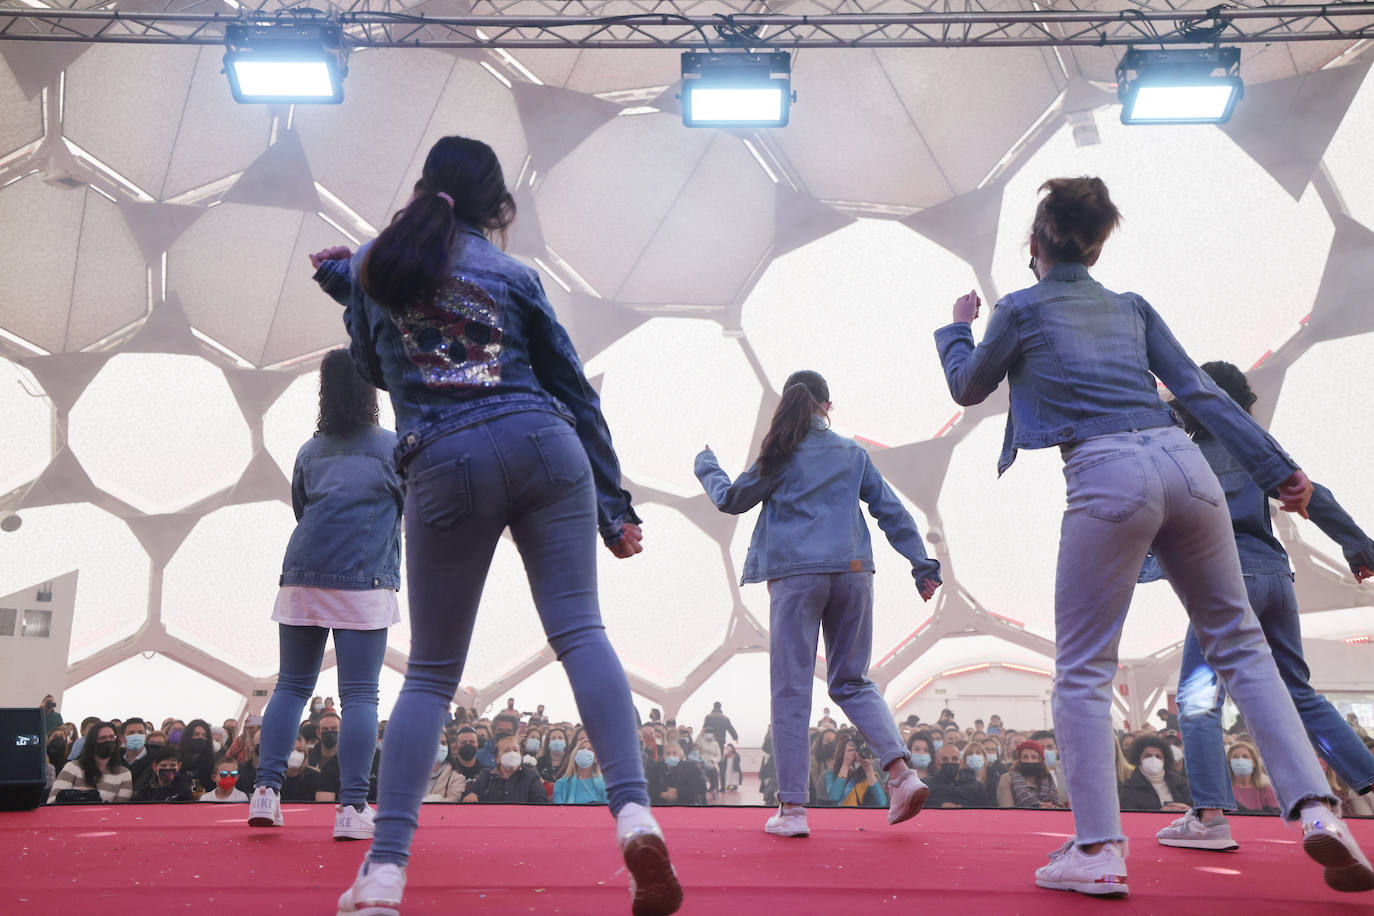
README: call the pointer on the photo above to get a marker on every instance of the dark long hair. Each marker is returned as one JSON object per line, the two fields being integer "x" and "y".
{"x": 1073, "y": 221}
{"x": 804, "y": 392}
{"x": 86, "y": 759}
{"x": 198, "y": 768}
{"x": 347, "y": 402}
{"x": 1229, "y": 379}
{"x": 409, "y": 261}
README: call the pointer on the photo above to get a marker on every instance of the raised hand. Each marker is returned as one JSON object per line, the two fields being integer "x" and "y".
{"x": 1295, "y": 492}
{"x": 927, "y": 588}
{"x": 630, "y": 543}
{"x": 966, "y": 306}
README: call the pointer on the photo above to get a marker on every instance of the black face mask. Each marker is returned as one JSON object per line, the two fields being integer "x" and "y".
{"x": 329, "y": 739}
{"x": 57, "y": 746}
{"x": 197, "y": 745}
{"x": 105, "y": 749}
{"x": 949, "y": 771}
{"x": 467, "y": 753}
{"x": 1033, "y": 770}
{"x": 827, "y": 750}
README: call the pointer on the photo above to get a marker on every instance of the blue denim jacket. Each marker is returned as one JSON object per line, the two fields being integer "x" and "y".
{"x": 347, "y": 500}
{"x": 1082, "y": 362}
{"x": 1260, "y": 551}
{"x": 811, "y": 522}
{"x": 489, "y": 345}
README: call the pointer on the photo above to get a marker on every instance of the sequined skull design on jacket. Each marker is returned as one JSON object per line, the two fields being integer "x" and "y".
{"x": 455, "y": 341}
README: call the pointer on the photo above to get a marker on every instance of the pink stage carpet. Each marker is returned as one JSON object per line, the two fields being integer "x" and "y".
{"x": 202, "y": 858}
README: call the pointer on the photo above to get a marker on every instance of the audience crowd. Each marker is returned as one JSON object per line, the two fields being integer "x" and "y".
{"x": 528, "y": 758}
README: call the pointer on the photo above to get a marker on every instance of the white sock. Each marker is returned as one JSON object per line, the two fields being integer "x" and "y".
{"x": 1314, "y": 809}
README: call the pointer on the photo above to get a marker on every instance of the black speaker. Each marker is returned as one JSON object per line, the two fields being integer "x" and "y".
{"x": 23, "y": 759}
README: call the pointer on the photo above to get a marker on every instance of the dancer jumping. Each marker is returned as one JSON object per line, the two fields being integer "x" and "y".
{"x": 498, "y": 428}
{"x": 341, "y": 573}
{"x": 1082, "y": 363}
{"x": 1269, "y": 584}
{"x": 811, "y": 545}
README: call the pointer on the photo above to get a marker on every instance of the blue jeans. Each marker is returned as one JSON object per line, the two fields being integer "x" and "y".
{"x": 1127, "y": 491}
{"x": 360, "y": 654}
{"x": 526, "y": 471}
{"x": 1201, "y": 694}
{"x": 800, "y": 608}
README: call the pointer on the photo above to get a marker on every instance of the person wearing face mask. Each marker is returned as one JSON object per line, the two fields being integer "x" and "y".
{"x": 708, "y": 751}
{"x": 447, "y": 784}
{"x": 731, "y": 769}
{"x": 165, "y": 780}
{"x": 98, "y": 767}
{"x": 581, "y": 782}
{"x": 1053, "y": 764}
{"x": 133, "y": 738}
{"x": 995, "y": 767}
{"x": 300, "y": 782}
{"x": 1158, "y": 783}
{"x": 75, "y": 748}
{"x": 678, "y": 783}
{"x": 464, "y": 755}
{"x": 52, "y": 716}
{"x": 953, "y": 785}
{"x": 551, "y": 760}
{"x": 1249, "y": 783}
{"x": 510, "y": 781}
{"x": 1029, "y": 783}
{"x": 533, "y": 743}
{"x": 57, "y": 748}
{"x": 226, "y": 782}
{"x": 324, "y": 756}
{"x": 198, "y": 757}
{"x": 822, "y": 755}
{"x": 922, "y": 747}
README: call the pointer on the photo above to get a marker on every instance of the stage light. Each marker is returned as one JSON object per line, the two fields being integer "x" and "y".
{"x": 736, "y": 89}
{"x": 1179, "y": 86}
{"x": 286, "y": 63}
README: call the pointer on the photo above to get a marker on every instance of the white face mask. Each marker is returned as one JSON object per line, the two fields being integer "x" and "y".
{"x": 1152, "y": 766}
{"x": 217, "y": 745}
{"x": 295, "y": 760}
{"x": 510, "y": 760}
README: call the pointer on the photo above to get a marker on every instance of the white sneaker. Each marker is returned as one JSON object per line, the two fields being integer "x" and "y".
{"x": 788, "y": 823}
{"x": 352, "y": 824}
{"x": 654, "y": 888}
{"x": 1327, "y": 840}
{"x": 906, "y": 797}
{"x": 1189, "y": 832}
{"x": 376, "y": 892}
{"x": 1071, "y": 869}
{"x": 264, "y": 808}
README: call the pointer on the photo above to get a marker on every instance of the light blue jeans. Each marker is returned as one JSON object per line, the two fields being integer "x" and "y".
{"x": 360, "y": 654}
{"x": 1201, "y": 695}
{"x": 1127, "y": 491}
{"x": 800, "y": 608}
{"x": 527, "y": 471}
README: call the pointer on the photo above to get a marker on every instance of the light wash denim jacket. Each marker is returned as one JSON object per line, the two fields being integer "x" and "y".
{"x": 811, "y": 521}
{"x": 1260, "y": 551}
{"x": 347, "y": 500}
{"x": 490, "y": 345}
{"x": 1082, "y": 362}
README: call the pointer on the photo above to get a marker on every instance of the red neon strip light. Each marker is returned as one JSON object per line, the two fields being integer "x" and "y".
{"x": 867, "y": 441}
{"x": 1260, "y": 361}
{"x": 952, "y": 420}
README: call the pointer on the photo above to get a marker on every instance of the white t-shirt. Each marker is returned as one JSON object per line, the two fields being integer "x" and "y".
{"x": 336, "y": 608}
{"x": 235, "y": 796}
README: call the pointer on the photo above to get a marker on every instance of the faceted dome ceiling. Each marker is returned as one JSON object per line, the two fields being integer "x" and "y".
{"x": 160, "y": 334}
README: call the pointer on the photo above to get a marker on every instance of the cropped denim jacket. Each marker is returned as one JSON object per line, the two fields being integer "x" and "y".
{"x": 1082, "y": 362}
{"x": 488, "y": 345}
{"x": 347, "y": 500}
{"x": 811, "y": 521}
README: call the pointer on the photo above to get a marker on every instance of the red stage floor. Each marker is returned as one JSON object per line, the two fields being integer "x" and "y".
{"x": 500, "y": 860}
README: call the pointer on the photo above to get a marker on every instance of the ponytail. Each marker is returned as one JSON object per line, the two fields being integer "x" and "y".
{"x": 409, "y": 261}
{"x": 804, "y": 392}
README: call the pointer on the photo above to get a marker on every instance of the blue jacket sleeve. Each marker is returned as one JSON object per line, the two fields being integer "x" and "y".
{"x": 744, "y": 494}
{"x": 298, "y": 490}
{"x": 835, "y": 787}
{"x": 560, "y": 372}
{"x": 896, "y": 522}
{"x": 1262, "y": 457}
{"x": 973, "y": 373}
{"x": 1336, "y": 523}
{"x": 336, "y": 278}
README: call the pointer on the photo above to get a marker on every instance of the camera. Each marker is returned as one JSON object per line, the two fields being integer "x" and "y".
{"x": 861, "y": 747}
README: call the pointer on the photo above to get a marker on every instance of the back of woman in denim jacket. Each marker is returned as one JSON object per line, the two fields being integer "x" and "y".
{"x": 499, "y": 428}
{"x": 811, "y": 545}
{"x": 1082, "y": 363}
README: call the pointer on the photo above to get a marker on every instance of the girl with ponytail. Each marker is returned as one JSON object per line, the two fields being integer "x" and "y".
{"x": 498, "y": 428}
{"x": 812, "y": 546}
{"x": 1083, "y": 363}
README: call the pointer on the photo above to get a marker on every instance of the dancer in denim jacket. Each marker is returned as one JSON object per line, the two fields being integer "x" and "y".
{"x": 341, "y": 572}
{"x": 1269, "y": 584}
{"x": 499, "y": 428}
{"x": 811, "y": 545}
{"x": 1082, "y": 363}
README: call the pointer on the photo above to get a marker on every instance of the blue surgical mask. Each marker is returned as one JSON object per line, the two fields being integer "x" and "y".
{"x": 936, "y": 744}
{"x": 994, "y": 729}
{"x": 992, "y": 754}
{"x": 584, "y": 758}
{"x": 1051, "y": 758}
{"x": 975, "y": 762}
{"x": 532, "y": 745}
{"x": 921, "y": 760}
{"x": 694, "y": 756}
{"x": 673, "y": 761}
{"x": 558, "y": 745}
{"x": 135, "y": 742}
{"x": 1242, "y": 766}
{"x": 441, "y": 753}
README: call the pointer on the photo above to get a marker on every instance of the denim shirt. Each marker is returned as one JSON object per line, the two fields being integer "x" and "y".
{"x": 1082, "y": 362}
{"x": 488, "y": 345}
{"x": 811, "y": 521}
{"x": 1260, "y": 551}
{"x": 347, "y": 500}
